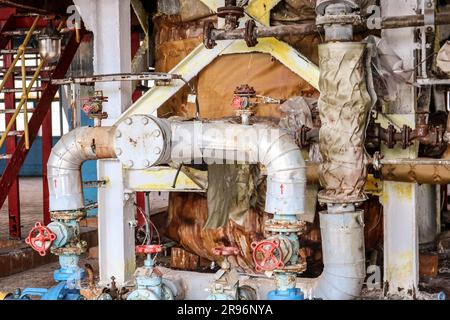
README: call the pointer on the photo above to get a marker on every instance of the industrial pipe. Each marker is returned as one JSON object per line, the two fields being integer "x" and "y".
{"x": 343, "y": 257}
{"x": 265, "y": 32}
{"x": 304, "y": 29}
{"x": 66, "y": 158}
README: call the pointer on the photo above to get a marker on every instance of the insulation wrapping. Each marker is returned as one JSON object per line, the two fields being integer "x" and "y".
{"x": 343, "y": 256}
{"x": 344, "y": 105}
{"x": 66, "y": 158}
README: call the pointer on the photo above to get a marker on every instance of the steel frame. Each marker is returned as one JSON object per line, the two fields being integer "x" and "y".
{"x": 41, "y": 118}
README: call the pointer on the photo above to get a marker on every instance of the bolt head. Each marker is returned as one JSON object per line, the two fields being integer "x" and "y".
{"x": 146, "y": 163}
{"x": 129, "y": 121}
{"x": 144, "y": 121}
{"x": 119, "y": 151}
{"x": 118, "y": 134}
{"x": 157, "y": 133}
{"x": 130, "y": 163}
{"x": 157, "y": 150}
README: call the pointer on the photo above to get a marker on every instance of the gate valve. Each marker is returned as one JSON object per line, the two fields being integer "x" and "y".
{"x": 41, "y": 241}
{"x": 148, "y": 249}
{"x": 225, "y": 251}
{"x": 267, "y": 255}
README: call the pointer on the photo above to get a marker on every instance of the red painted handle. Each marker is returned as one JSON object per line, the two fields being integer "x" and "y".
{"x": 267, "y": 255}
{"x": 148, "y": 249}
{"x": 40, "y": 238}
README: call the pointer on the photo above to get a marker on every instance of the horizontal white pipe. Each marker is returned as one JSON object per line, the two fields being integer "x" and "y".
{"x": 219, "y": 142}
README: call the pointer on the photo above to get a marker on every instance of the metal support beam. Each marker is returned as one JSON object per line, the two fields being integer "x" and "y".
{"x": 401, "y": 200}
{"x": 201, "y": 57}
{"x": 260, "y": 10}
{"x": 110, "y": 21}
{"x": 47, "y": 145}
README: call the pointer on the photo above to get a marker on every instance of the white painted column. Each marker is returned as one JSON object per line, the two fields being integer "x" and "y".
{"x": 401, "y": 200}
{"x": 110, "y": 20}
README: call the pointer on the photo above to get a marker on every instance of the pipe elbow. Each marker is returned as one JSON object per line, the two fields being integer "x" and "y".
{"x": 286, "y": 175}
{"x": 343, "y": 257}
{"x": 66, "y": 159}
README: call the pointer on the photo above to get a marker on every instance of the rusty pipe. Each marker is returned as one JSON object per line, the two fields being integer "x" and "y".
{"x": 412, "y": 21}
{"x": 265, "y": 32}
{"x": 396, "y": 22}
{"x": 421, "y": 171}
{"x": 66, "y": 159}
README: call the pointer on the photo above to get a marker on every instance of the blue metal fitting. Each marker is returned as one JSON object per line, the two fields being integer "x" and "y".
{"x": 69, "y": 271}
{"x": 290, "y": 294}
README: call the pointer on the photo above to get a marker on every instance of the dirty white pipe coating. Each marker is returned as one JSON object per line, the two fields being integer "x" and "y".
{"x": 342, "y": 234}
{"x": 66, "y": 159}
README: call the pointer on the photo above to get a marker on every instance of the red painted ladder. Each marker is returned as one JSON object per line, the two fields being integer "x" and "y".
{"x": 16, "y": 151}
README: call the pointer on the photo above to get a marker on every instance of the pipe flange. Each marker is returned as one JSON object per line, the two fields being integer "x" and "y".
{"x": 298, "y": 268}
{"x": 250, "y": 36}
{"x": 208, "y": 41}
{"x": 233, "y": 11}
{"x": 347, "y": 19}
{"x": 324, "y": 198}
{"x": 68, "y": 215}
{"x": 142, "y": 141}
{"x": 277, "y": 226}
{"x": 78, "y": 250}
{"x": 321, "y": 5}
{"x": 376, "y": 161}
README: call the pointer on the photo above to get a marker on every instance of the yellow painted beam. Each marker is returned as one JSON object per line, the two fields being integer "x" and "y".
{"x": 161, "y": 179}
{"x": 212, "y": 4}
{"x": 260, "y": 10}
{"x": 284, "y": 53}
{"x": 201, "y": 57}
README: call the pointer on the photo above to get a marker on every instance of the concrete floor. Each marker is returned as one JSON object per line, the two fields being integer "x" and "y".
{"x": 31, "y": 212}
{"x": 30, "y": 206}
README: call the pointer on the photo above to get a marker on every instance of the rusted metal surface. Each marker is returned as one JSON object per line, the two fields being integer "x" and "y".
{"x": 182, "y": 259}
{"x": 187, "y": 216}
{"x": 428, "y": 265}
{"x": 264, "y": 32}
{"x": 417, "y": 173}
{"x": 100, "y": 141}
{"x": 188, "y": 213}
{"x": 425, "y": 133}
{"x": 412, "y": 21}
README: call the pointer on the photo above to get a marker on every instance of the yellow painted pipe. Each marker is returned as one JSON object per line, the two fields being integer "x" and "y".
{"x": 22, "y": 102}
{"x": 25, "y": 110}
{"x": 20, "y": 51}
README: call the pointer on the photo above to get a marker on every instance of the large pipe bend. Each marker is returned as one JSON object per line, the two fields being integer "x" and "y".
{"x": 66, "y": 159}
{"x": 220, "y": 142}
{"x": 342, "y": 234}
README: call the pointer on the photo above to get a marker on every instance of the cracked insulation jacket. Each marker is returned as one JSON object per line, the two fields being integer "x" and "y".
{"x": 344, "y": 105}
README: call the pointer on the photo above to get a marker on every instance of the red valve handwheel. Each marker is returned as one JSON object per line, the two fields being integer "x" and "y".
{"x": 41, "y": 241}
{"x": 267, "y": 255}
{"x": 237, "y": 102}
{"x": 148, "y": 249}
{"x": 225, "y": 251}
